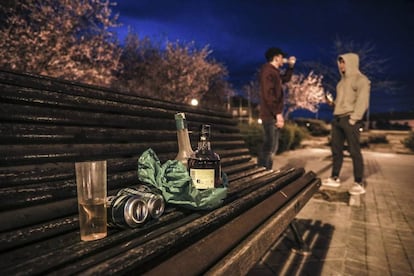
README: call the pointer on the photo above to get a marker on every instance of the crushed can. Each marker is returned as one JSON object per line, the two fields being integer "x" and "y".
{"x": 155, "y": 202}
{"x": 126, "y": 211}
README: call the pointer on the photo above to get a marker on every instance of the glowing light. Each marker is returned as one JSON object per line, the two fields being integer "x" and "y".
{"x": 194, "y": 102}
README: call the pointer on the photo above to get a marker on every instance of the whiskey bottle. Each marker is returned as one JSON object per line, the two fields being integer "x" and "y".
{"x": 184, "y": 145}
{"x": 204, "y": 164}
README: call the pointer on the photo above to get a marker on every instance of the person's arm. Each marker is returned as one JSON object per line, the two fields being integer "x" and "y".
{"x": 287, "y": 75}
{"x": 289, "y": 71}
{"x": 362, "y": 100}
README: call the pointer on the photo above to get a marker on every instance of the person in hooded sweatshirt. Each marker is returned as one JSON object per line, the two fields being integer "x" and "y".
{"x": 350, "y": 105}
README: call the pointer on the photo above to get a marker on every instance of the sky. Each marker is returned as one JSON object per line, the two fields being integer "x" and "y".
{"x": 239, "y": 31}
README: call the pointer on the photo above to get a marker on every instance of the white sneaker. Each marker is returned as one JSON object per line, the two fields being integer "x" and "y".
{"x": 331, "y": 182}
{"x": 357, "y": 189}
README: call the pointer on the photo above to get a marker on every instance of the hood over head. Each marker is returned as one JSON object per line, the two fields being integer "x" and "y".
{"x": 351, "y": 64}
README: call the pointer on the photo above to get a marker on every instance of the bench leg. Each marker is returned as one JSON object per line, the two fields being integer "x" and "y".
{"x": 301, "y": 247}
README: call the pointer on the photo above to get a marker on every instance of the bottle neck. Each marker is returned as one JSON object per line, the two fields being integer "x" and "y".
{"x": 204, "y": 145}
{"x": 183, "y": 138}
{"x": 184, "y": 141}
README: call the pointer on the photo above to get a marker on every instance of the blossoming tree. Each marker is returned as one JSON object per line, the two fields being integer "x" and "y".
{"x": 304, "y": 93}
{"x": 60, "y": 38}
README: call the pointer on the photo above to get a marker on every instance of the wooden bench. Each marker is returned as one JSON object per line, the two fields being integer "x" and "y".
{"x": 48, "y": 124}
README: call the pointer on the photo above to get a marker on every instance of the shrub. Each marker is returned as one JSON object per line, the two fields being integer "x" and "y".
{"x": 377, "y": 139}
{"x": 409, "y": 141}
{"x": 314, "y": 126}
{"x": 253, "y": 136}
{"x": 290, "y": 138}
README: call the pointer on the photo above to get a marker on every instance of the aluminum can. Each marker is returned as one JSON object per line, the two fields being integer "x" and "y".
{"x": 155, "y": 202}
{"x": 126, "y": 211}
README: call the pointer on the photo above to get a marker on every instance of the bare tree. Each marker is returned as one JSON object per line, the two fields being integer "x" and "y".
{"x": 179, "y": 72}
{"x": 187, "y": 73}
{"x": 373, "y": 65}
{"x": 60, "y": 38}
{"x": 252, "y": 90}
{"x": 139, "y": 58}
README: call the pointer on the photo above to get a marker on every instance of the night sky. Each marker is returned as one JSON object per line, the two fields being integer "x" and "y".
{"x": 239, "y": 31}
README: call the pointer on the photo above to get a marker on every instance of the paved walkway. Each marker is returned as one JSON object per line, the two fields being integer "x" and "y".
{"x": 372, "y": 234}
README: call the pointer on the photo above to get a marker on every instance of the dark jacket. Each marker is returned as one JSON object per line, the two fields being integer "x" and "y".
{"x": 271, "y": 92}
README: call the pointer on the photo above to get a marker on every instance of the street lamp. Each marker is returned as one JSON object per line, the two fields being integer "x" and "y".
{"x": 194, "y": 102}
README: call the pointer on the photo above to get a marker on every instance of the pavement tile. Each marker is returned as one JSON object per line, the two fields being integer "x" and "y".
{"x": 374, "y": 236}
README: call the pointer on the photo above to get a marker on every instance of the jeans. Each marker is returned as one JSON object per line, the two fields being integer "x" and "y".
{"x": 342, "y": 130}
{"x": 270, "y": 144}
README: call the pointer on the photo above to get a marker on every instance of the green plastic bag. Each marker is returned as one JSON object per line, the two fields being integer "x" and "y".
{"x": 174, "y": 181}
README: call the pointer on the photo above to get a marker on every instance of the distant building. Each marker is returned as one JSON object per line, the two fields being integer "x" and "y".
{"x": 243, "y": 110}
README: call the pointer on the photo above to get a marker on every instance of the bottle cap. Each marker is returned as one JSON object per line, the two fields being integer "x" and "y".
{"x": 179, "y": 115}
{"x": 205, "y": 132}
{"x": 180, "y": 121}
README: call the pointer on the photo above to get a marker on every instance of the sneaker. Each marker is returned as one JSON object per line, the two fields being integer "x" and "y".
{"x": 357, "y": 189}
{"x": 331, "y": 182}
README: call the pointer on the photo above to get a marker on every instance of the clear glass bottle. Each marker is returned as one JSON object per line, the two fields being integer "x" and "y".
{"x": 184, "y": 145}
{"x": 204, "y": 164}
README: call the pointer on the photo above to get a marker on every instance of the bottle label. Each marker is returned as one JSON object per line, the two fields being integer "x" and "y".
{"x": 202, "y": 178}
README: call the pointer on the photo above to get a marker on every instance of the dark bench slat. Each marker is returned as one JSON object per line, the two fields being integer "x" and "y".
{"x": 215, "y": 245}
{"x": 34, "y": 97}
{"x": 44, "y": 233}
{"x": 232, "y": 161}
{"x": 242, "y": 258}
{"x": 13, "y": 133}
{"x": 58, "y": 171}
{"x": 23, "y": 133}
{"x": 45, "y": 258}
{"x": 138, "y": 257}
{"x": 30, "y": 195}
{"x": 272, "y": 180}
{"x": 203, "y": 224}
{"x": 281, "y": 180}
{"x": 64, "y": 186}
{"x": 37, "y": 154}
{"x": 243, "y": 187}
{"x": 52, "y": 210}
{"x": 58, "y": 116}
{"x": 28, "y": 235}
{"x": 72, "y": 88}
{"x": 61, "y": 101}
{"x": 72, "y": 104}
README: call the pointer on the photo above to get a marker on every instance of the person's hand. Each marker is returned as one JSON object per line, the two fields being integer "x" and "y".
{"x": 352, "y": 122}
{"x": 329, "y": 99}
{"x": 280, "y": 122}
{"x": 291, "y": 61}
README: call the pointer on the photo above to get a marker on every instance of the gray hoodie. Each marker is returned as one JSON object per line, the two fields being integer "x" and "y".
{"x": 352, "y": 91}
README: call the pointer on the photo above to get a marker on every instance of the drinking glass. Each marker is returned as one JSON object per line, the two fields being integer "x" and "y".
{"x": 91, "y": 188}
